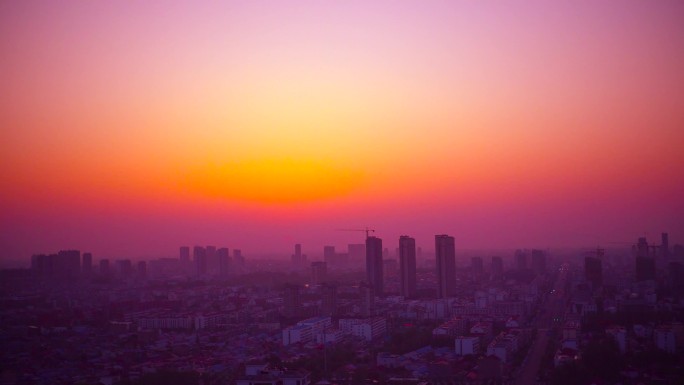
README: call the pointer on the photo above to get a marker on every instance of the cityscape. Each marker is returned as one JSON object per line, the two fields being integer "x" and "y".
{"x": 342, "y": 192}
{"x": 360, "y": 315}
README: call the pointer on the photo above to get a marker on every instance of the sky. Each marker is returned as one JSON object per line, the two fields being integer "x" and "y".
{"x": 129, "y": 129}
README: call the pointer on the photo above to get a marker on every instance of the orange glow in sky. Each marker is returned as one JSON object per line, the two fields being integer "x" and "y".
{"x": 506, "y": 124}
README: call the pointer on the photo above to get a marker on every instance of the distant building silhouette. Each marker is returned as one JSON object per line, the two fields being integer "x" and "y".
{"x": 292, "y": 304}
{"x": 125, "y": 268}
{"x": 645, "y": 263}
{"x": 212, "y": 260}
{"x": 142, "y": 269}
{"x": 87, "y": 264}
{"x": 407, "y": 266}
{"x": 223, "y": 256}
{"x": 476, "y": 265}
{"x": 329, "y": 300}
{"x": 104, "y": 267}
{"x": 199, "y": 255}
{"x": 497, "y": 267}
{"x": 445, "y": 252}
{"x": 367, "y": 294}
{"x": 185, "y": 254}
{"x": 521, "y": 259}
{"x": 319, "y": 272}
{"x": 665, "y": 245}
{"x": 374, "y": 264}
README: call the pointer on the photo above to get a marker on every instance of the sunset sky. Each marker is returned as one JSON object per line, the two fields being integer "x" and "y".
{"x": 131, "y": 128}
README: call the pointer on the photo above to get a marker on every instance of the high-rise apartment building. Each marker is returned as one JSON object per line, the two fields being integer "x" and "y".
{"x": 445, "y": 252}
{"x": 374, "y": 264}
{"x": 407, "y": 266}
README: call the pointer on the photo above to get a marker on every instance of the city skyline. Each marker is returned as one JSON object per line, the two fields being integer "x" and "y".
{"x": 530, "y": 124}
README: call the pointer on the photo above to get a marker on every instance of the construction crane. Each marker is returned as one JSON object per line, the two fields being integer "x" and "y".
{"x": 366, "y": 230}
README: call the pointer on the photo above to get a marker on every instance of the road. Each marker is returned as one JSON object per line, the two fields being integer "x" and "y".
{"x": 555, "y": 308}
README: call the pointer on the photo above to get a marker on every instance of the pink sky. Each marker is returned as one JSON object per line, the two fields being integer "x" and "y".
{"x": 131, "y": 129}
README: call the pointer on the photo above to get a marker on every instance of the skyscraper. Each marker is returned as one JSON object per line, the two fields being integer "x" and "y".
{"x": 521, "y": 259}
{"x": 212, "y": 260}
{"x": 665, "y": 245}
{"x": 199, "y": 254}
{"x": 319, "y": 271}
{"x": 185, "y": 254}
{"x": 291, "y": 301}
{"x": 367, "y": 293}
{"x": 328, "y": 300}
{"x": 87, "y": 264}
{"x": 223, "y": 255}
{"x": 497, "y": 267}
{"x": 407, "y": 266}
{"x": 445, "y": 251}
{"x": 645, "y": 264}
{"x": 374, "y": 264}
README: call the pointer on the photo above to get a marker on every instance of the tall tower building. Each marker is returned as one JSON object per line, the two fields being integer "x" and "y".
{"x": 521, "y": 259}
{"x": 292, "y": 303}
{"x": 319, "y": 272}
{"x": 497, "y": 267}
{"x": 87, "y": 264}
{"x": 184, "y": 254}
{"x": 199, "y": 255}
{"x": 104, "y": 267}
{"x": 367, "y": 293}
{"x": 328, "y": 300}
{"x": 407, "y": 266}
{"x": 223, "y": 255}
{"x": 665, "y": 245}
{"x": 374, "y": 264}
{"x": 445, "y": 251}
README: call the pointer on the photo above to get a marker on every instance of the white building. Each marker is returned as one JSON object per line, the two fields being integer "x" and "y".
{"x": 306, "y": 331}
{"x": 467, "y": 345}
{"x": 368, "y": 328}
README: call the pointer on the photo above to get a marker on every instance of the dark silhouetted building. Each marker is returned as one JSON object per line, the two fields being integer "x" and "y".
{"x": 199, "y": 255}
{"x": 665, "y": 245}
{"x": 521, "y": 259}
{"x": 223, "y": 255}
{"x": 212, "y": 259}
{"x": 292, "y": 304}
{"x": 185, "y": 254}
{"x": 329, "y": 300}
{"x": 497, "y": 267}
{"x": 645, "y": 268}
{"x": 125, "y": 267}
{"x": 374, "y": 264}
{"x": 319, "y": 272}
{"x": 407, "y": 266}
{"x": 104, "y": 267}
{"x": 367, "y": 294}
{"x": 87, "y": 264}
{"x": 142, "y": 269}
{"x": 445, "y": 252}
{"x": 593, "y": 271}
{"x": 476, "y": 265}
{"x": 298, "y": 259}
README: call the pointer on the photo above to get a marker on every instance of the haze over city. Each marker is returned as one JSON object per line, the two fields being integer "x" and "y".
{"x": 130, "y": 129}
